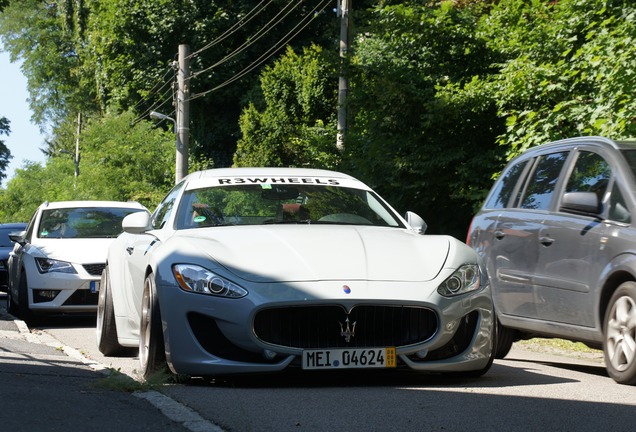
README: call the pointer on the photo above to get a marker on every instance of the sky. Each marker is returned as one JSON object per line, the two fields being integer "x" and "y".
{"x": 25, "y": 140}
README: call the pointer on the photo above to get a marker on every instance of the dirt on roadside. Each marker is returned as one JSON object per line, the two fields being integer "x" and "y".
{"x": 562, "y": 348}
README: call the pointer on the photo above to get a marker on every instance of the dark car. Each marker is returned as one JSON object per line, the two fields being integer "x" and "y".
{"x": 557, "y": 233}
{"x": 6, "y": 246}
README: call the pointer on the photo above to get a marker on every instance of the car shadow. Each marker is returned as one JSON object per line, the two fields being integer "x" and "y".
{"x": 500, "y": 375}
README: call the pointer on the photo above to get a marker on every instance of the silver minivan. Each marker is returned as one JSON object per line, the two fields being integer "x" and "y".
{"x": 558, "y": 235}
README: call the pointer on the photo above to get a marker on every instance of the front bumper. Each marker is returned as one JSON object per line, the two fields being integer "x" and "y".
{"x": 208, "y": 336}
{"x": 63, "y": 292}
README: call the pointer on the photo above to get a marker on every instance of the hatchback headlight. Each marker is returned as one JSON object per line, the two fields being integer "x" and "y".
{"x": 463, "y": 280}
{"x": 47, "y": 265}
{"x": 198, "y": 279}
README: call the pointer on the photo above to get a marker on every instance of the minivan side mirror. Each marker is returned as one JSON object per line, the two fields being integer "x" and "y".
{"x": 416, "y": 222}
{"x": 581, "y": 202}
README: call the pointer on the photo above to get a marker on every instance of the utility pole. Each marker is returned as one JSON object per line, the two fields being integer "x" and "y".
{"x": 183, "y": 112}
{"x": 343, "y": 81}
{"x": 77, "y": 144}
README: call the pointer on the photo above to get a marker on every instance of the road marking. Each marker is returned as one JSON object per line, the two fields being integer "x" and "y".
{"x": 178, "y": 412}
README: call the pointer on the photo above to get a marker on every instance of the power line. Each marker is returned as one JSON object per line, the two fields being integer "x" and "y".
{"x": 240, "y": 23}
{"x": 167, "y": 96}
{"x": 271, "y": 51}
{"x": 154, "y": 89}
{"x": 259, "y": 34}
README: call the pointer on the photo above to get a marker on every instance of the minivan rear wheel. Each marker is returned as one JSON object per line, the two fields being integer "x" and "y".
{"x": 619, "y": 341}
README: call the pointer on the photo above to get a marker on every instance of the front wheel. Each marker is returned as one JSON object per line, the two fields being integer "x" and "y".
{"x": 106, "y": 328}
{"x": 152, "y": 353}
{"x": 12, "y": 307}
{"x": 619, "y": 341}
{"x": 24, "y": 312}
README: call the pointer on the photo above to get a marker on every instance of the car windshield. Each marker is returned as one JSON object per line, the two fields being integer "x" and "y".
{"x": 262, "y": 204}
{"x": 93, "y": 222}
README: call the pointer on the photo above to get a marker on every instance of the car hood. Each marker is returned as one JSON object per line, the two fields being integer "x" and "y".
{"x": 302, "y": 253}
{"x": 82, "y": 251}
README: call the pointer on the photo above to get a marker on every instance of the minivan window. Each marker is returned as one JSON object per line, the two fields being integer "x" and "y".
{"x": 630, "y": 157}
{"x": 591, "y": 173}
{"x": 618, "y": 208}
{"x": 500, "y": 197}
{"x": 543, "y": 181}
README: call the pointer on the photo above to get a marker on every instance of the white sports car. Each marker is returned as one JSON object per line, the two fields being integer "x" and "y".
{"x": 243, "y": 270}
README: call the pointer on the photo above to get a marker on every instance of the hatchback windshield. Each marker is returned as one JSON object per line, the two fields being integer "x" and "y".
{"x": 93, "y": 222}
{"x": 282, "y": 204}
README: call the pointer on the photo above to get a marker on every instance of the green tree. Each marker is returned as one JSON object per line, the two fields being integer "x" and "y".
{"x": 119, "y": 161}
{"x": 421, "y": 133}
{"x": 31, "y": 186}
{"x": 295, "y": 125}
{"x": 125, "y": 161}
{"x": 5, "y": 153}
{"x": 134, "y": 44}
{"x": 567, "y": 69}
{"x": 38, "y": 33}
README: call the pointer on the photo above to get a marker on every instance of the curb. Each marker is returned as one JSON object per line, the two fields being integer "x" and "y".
{"x": 172, "y": 409}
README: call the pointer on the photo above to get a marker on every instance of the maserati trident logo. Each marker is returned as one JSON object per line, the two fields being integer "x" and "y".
{"x": 348, "y": 330}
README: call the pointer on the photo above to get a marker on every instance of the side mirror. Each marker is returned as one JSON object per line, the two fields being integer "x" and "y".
{"x": 416, "y": 222}
{"x": 18, "y": 238}
{"x": 581, "y": 202}
{"x": 136, "y": 223}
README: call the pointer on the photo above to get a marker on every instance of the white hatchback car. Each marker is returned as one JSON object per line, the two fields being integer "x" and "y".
{"x": 57, "y": 262}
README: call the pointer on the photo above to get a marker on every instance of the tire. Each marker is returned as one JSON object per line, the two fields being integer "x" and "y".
{"x": 12, "y": 307}
{"x": 504, "y": 339}
{"x": 152, "y": 353}
{"x": 24, "y": 312}
{"x": 106, "y": 327}
{"x": 619, "y": 335}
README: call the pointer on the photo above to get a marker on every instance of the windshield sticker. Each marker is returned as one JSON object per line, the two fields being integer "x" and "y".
{"x": 284, "y": 180}
{"x": 199, "y": 219}
{"x": 266, "y": 186}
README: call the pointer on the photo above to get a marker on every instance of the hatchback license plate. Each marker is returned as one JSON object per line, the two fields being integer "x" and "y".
{"x": 349, "y": 358}
{"x": 94, "y": 286}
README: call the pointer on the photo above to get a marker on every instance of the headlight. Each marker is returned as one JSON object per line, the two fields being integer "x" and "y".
{"x": 463, "y": 280}
{"x": 197, "y": 279}
{"x": 47, "y": 265}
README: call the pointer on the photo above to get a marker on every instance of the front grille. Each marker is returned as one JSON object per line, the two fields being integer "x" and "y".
{"x": 312, "y": 327}
{"x": 82, "y": 297}
{"x": 94, "y": 269}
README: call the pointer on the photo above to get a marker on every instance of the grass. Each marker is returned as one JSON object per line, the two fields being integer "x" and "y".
{"x": 117, "y": 381}
{"x": 561, "y": 347}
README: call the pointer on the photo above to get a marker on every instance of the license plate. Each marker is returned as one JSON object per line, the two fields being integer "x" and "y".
{"x": 94, "y": 286}
{"x": 349, "y": 358}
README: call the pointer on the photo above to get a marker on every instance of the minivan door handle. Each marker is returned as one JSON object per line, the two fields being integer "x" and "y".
{"x": 546, "y": 241}
{"x": 499, "y": 234}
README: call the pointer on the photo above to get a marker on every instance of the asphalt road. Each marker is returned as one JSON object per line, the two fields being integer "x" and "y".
{"x": 525, "y": 392}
